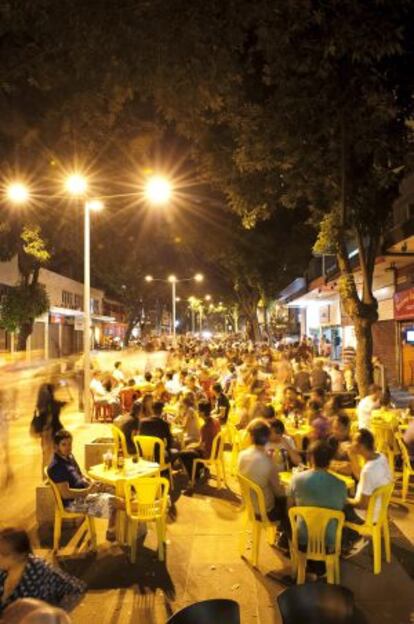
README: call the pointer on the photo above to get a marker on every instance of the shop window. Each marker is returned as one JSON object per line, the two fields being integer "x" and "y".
{"x": 67, "y": 299}
{"x": 78, "y": 302}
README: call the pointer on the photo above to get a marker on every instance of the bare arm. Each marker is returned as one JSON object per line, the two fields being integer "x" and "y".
{"x": 69, "y": 493}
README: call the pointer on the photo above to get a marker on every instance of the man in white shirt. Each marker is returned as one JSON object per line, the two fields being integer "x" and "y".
{"x": 118, "y": 375}
{"x": 257, "y": 466}
{"x": 366, "y": 405}
{"x": 375, "y": 473}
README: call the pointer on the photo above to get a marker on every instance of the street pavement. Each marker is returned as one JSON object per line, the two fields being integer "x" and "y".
{"x": 202, "y": 559}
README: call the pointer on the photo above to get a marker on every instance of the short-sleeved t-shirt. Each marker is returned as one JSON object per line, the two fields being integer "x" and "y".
{"x": 318, "y": 488}
{"x": 66, "y": 470}
{"x": 374, "y": 474}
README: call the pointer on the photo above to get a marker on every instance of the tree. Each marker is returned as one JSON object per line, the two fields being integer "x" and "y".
{"x": 300, "y": 102}
{"x": 28, "y": 299}
{"x": 255, "y": 263}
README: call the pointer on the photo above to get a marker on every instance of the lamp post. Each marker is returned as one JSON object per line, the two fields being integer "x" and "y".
{"x": 172, "y": 279}
{"x": 77, "y": 186}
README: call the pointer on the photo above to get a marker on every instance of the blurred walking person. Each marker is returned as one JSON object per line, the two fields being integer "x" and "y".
{"x": 46, "y": 421}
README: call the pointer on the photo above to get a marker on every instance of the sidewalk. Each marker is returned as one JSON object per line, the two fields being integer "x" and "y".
{"x": 203, "y": 558}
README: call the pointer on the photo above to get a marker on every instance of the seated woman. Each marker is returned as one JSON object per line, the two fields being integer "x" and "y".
{"x": 23, "y": 575}
{"x": 79, "y": 493}
{"x": 189, "y": 419}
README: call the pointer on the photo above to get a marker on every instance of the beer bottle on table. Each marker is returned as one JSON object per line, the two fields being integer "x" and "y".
{"x": 120, "y": 459}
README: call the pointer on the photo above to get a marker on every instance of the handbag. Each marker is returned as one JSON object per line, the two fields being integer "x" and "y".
{"x": 36, "y": 424}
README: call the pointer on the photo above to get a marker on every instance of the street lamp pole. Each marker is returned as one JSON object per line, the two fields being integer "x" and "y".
{"x": 173, "y": 285}
{"x": 87, "y": 310}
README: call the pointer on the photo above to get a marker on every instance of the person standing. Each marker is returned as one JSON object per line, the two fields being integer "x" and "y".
{"x": 48, "y": 420}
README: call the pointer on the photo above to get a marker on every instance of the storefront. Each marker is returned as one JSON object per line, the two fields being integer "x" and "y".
{"x": 404, "y": 315}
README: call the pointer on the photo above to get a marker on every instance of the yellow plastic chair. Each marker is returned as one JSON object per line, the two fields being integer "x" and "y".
{"x": 316, "y": 520}
{"x": 375, "y": 530}
{"x": 255, "y": 515}
{"x": 119, "y": 441}
{"x": 384, "y": 441}
{"x": 152, "y": 449}
{"x": 146, "y": 500}
{"x": 408, "y": 470}
{"x": 233, "y": 436}
{"x": 216, "y": 461}
{"x": 62, "y": 514}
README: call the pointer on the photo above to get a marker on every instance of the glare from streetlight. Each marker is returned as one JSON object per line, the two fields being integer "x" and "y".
{"x": 172, "y": 279}
{"x": 178, "y": 299}
{"x": 198, "y": 277}
{"x": 207, "y": 297}
{"x": 158, "y": 190}
{"x": 148, "y": 278}
{"x": 17, "y": 193}
{"x": 76, "y": 184}
{"x": 95, "y": 205}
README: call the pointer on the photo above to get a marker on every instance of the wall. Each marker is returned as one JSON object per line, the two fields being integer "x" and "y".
{"x": 385, "y": 340}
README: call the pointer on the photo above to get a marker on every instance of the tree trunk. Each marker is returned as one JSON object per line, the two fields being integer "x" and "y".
{"x": 363, "y": 332}
{"x": 24, "y": 332}
{"x": 364, "y": 313}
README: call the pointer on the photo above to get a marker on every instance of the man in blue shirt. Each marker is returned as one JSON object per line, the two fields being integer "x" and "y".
{"x": 318, "y": 488}
{"x": 79, "y": 493}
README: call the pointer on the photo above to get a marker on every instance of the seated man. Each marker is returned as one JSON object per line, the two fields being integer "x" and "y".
{"x": 208, "y": 432}
{"x": 102, "y": 396}
{"x": 256, "y": 465}
{"x": 281, "y": 447}
{"x": 221, "y": 404}
{"x": 118, "y": 375}
{"x": 344, "y": 459}
{"x": 317, "y": 488}
{"x": 375, "y": 473}
{"x": 129, "y": 425}
{"x": 79, "y": 493}
{"x": 367, "y": 405}
{"x": 157, "y": 427}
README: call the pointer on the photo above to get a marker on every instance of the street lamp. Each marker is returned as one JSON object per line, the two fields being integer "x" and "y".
{"x": 17, "y": 193}
{"x": 77, "y": 186}
{"x": 172, "y": 279}
{"x": 158, "y": 190}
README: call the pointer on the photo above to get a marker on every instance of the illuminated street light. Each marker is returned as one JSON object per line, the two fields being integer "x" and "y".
{"x": 96, "y": 205}
{"x": 198, "y": 277}
{"x": 207, "y": 297}
{"x": 172, "y": 279}
{"x": 158, "y": 190}
{"x": 149, "y": 278}
{"x": 17, "y": 193}
{"x": 76, "y": 185}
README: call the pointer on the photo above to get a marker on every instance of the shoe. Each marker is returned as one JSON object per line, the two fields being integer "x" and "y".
{"x": 356, "y": 548}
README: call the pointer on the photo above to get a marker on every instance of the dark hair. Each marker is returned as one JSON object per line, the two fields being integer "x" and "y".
{"x": 17, "y": 540}
{"x": 217, "y": 387}
{"x": 277, "y": 425}
{"x": 148, "y": 376}
{"x": 268, "y": 412}
{"x": 204, "y": 407}
{"x": 260, "y": 432}
{"x": 321, "y": 453}
{"x": 343, "y": 420}
{"x": 117, "y": 364}
{"x": 365, "y": 438}
{"x": 157, "y": 407}
{"x": 314, "y": 406}
{"x": 61, "y": 435}
{"x": 291, "y": 388}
